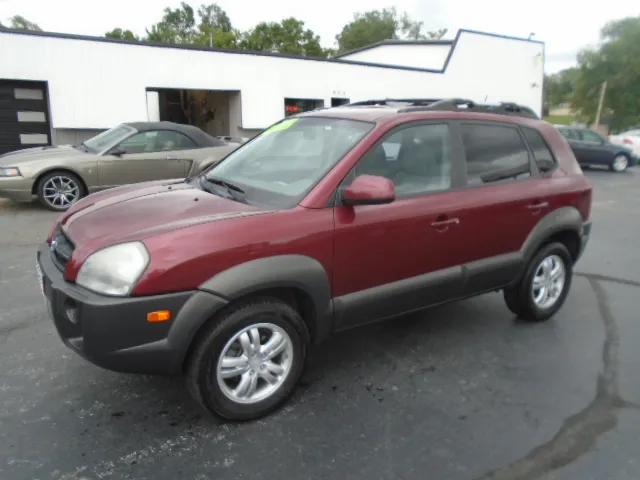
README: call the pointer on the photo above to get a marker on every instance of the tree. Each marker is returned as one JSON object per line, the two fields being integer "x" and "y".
{"x": 288, "y": 36}
{"x": 18, "y": 22}
{"x": 215, "y": 28}
{"x": 378, "y": 25}
{"x": 119, "y": 34}
{"x": 616, "y": 60}
{"x": 177, "y": 26}
{"x": 559, "y": 87}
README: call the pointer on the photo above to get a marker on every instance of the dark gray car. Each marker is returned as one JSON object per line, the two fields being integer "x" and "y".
{"x": 590, "y": 148}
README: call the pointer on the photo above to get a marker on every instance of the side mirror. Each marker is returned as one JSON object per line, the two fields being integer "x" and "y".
{"x": 369, "y": 190}
{"x": 118, "y": 152}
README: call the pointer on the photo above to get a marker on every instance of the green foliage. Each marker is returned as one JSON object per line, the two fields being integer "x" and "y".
{"x": 616, "y": 61}
{"x": 119, "y": 34}
{"x": 378, "y": 25}
{"x": 288, "y": 36}
{"x": 559, "y": 87}
{"x": 18, "y": 22}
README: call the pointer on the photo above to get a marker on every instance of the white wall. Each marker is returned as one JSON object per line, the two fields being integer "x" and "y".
{"x": 420, "y": 56}
{"x": 96, "y": 84}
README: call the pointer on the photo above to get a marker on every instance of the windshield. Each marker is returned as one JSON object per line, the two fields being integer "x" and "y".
{"x": 280, "y": 166}
{"x": 109, "y": 138}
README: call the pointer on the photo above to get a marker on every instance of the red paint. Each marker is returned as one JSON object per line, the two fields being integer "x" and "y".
{"x": 370, "y": 188}
{"x": 192, "y": 235}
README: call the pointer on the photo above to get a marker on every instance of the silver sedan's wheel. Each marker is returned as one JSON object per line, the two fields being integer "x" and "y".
{"x": 548, "y": 281}
{"x": 254, "y": 363}
{"x": 620, "y": 163}
{"x": 60, "y": 190}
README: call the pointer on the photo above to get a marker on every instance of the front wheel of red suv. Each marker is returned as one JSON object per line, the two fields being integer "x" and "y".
{"x": 248, "y": 362}
{"x": 544, "y": 286}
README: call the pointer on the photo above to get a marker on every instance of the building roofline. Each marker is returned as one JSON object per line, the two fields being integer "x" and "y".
{"x": 337, "y": 59}
{"x": 396, "y": 42}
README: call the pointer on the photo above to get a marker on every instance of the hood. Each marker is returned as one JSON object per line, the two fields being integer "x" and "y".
{"x": 139, "y": 211}
{"x": 28, "y": 155}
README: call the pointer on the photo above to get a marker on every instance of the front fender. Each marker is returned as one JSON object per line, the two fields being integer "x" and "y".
{"x": 282, "y": 271}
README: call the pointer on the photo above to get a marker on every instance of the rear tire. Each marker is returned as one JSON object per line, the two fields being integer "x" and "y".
{"x": 231, "y": 371}
{"x": 545, "y": 285}
{"x": 620, "y": 163}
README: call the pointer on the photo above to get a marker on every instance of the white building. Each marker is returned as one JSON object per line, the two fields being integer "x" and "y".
{"x": 57, "y": 88}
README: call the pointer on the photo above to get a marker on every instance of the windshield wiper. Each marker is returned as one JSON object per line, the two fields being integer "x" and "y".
{"x": 232, "y": 190}
{"x": 82, "y": 146}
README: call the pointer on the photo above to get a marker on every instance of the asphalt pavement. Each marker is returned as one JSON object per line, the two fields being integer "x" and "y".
{"x": 463, "y": 391}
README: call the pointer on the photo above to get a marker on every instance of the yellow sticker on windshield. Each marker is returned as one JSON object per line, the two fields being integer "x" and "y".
{"x": 278, "y": 127}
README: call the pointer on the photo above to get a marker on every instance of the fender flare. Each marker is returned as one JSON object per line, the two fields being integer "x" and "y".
{"x": 299, "y": 272}
{"x": 562, "y": 219}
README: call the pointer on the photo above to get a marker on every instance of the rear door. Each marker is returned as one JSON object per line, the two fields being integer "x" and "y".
{"x": 144, "y": 156}
{"x": 505, "y": 196}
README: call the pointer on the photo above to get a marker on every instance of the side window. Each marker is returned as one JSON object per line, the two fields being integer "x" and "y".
{"x": 416, "y": 158}
{"x": 541, "y": 151}
{"x": 155, "y": 141}
{"x": 589, "y": 136}
{"x": 494, "y": 153}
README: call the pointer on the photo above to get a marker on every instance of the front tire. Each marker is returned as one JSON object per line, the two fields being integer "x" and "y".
{"x": 248, "y": 361}
{"x": 620, "y": 163}
{"x": 58, "y": 191}
{"x": 545, "y": 285}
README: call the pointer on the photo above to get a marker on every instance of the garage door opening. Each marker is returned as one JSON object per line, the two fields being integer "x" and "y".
{"x": 217, "y": 112}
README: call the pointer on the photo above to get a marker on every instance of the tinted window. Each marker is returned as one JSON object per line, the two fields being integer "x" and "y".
{"x": 156, "y": 141}
{"x": 494, "y": 153}
{"x": 541, "y": 152}
{"x": 569, "y": 134}
{"x": 589, "y": 136}
{"x": 415, "y": 158}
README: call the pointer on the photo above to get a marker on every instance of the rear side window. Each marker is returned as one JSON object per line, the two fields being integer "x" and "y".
{"x": 568, "y": 134}
{"x": 494, "y": 153}
{"x": 541, "y": 151}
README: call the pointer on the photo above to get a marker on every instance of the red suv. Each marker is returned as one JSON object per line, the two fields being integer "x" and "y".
{"x": 325, "y": 221}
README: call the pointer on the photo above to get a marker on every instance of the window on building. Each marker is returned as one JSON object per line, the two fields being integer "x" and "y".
{"x": 293, "y": 106}
{"x": 494, "y": 153}
{"x": 541, "y": 151}
{"x": 416, "y": 159}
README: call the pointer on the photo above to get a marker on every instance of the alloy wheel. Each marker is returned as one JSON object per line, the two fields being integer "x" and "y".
{"x": 254, "y": 363}
{"x": 620, "y": 163}
{"x": 548, "y": 281}
{"x": 61, "y": 191}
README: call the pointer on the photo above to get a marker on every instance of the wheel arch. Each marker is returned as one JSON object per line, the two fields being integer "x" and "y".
{"x": 298, "y": 280}
{"x": 42, "y": 174}
{"x": 563, "y": 225}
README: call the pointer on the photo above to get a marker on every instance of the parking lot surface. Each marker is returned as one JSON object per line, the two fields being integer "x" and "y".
{"x": 463, "y": 391}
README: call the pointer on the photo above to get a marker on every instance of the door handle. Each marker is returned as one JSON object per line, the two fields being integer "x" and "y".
{"x": 538, "y": 205}
{"x": 445, "y": 223}
{"x": 171, "y": 157}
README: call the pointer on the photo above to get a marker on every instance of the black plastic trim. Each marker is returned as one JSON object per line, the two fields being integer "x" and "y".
{"x": 282, "y": 271}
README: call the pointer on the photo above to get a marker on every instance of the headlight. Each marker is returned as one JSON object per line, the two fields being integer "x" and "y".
{"x": 9, "y": 172}
{"x": 114, "y": 270}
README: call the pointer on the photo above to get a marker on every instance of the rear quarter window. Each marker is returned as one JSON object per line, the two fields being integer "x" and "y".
{"x": 541, "y": 151}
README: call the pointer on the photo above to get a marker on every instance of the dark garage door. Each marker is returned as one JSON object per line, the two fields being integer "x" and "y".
{"x": 24, "y": 115}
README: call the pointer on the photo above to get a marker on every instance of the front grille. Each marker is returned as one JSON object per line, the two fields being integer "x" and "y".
{"x": 62, "y": 248}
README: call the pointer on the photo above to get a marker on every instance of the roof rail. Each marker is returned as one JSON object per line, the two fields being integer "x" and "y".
{"x": 416, "y": 102}
{"x": 460, "y": 104}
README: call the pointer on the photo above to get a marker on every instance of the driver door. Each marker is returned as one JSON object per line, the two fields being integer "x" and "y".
{"x": 144, "y": 156}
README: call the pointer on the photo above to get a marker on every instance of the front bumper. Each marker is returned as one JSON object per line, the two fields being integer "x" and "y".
{"x": 16, "y": 188}
{"x": 113, "y": 332}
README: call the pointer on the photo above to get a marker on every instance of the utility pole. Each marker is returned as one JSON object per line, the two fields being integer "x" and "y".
{"x": 603, "y": 90}
{"x": 211, "y": 40}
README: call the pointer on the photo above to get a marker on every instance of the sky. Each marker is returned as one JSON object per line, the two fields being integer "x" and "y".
{"x": 566, "y": 26}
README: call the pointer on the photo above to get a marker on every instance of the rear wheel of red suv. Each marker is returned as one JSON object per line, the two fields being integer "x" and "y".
{"x": 249, "y": 360}
{"x": 545, "y": 285}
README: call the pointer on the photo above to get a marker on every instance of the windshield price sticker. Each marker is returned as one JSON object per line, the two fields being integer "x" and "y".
{"x": 278, "y": 127}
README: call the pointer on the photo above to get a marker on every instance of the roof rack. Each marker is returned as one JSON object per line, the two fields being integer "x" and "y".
{"x": 415, "y": 102}
{"x": 459, "y": 104}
